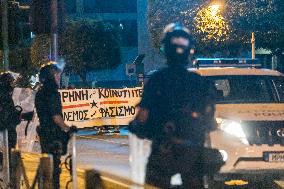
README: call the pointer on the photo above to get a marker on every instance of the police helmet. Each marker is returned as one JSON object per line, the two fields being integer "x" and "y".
{"x": 47, "y": 72}
{"x": 170, "y": 49}
{"x": 175, "y": 30}
{"x": 6, "y": 81}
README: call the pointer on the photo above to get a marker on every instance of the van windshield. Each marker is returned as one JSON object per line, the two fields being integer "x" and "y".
{"x": 242, "y": 89}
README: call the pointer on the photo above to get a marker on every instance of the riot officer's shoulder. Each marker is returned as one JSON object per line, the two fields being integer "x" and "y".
{"x": 156, "y": 75}
{"x": 195, "y": 77}
{"x": 194, "y": 74}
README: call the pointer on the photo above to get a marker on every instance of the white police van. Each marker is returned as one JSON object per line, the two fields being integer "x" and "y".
{"x": 250, "y": 117}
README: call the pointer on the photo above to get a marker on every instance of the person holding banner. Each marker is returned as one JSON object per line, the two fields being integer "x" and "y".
{"x": 53, "y": 132}
{"x": 175, "y": 113}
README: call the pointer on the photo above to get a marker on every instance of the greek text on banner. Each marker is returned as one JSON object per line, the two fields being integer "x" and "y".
{"x": 97, "y": 107}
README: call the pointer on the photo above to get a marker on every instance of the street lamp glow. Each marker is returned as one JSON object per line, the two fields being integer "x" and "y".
{"x": 210, "y": 23}
{"x": 214, "y": 9}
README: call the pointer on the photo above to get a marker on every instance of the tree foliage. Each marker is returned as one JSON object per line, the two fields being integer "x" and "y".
{"x": 263, "y": 17}
{"x": 17, "y": 19}
{"x": 210, "y": 25}
{"x": 20, "y": 62}
{"x": 85, "y": 45}
{"x": 161, "y": 13}
{"x": 237, "y": 19}
{"x": 40, "y": 50}
{"x": 19, "y": 42}
{"x": 89, "y": 45}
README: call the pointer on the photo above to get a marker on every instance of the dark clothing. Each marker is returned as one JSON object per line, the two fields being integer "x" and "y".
{"x": 48, "y": 104}
{"x": 191, "y": 162}
{"x": 182, "y": 99}
{"x": 9, "y": 117}
{"x": 172, "y": 94}
{"x": 52, "y": 139}
{"x": 163, "y": 163}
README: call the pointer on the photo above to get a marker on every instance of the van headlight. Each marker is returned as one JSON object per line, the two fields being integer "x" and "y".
{"x": 233, "y": 128}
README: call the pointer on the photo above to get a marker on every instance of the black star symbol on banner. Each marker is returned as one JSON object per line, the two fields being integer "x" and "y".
{"x": 94, "y": 104}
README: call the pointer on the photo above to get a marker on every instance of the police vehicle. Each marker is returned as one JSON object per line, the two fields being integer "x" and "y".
{"x": 250, "y": 117}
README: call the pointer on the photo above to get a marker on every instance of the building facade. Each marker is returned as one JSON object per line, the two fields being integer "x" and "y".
{"x": 131, "y": 17}
{"x": 120, "y": 13}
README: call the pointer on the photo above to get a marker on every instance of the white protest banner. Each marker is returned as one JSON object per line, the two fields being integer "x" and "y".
{"x": 97, "y": 107}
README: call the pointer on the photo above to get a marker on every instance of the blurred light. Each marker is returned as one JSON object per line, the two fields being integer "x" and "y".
{"x": 24, "y": 7}
{"x": 214, "y": 9}
{"x": 210, "y": 23}
{"x": 217, "y": 2}
{"x": 236, "y": 182}
{"x": 61, "y": 64}
{"x": 176, "y": 180}
{"x": 235, "y": 129}
{"x": 32, "y": 35}
{"x": 224, "y": 155}
{"x": 34, "y": 80}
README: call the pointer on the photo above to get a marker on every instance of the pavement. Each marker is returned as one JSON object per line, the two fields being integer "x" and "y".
{"x": 31, "y": 162}
{"x": 106, "y": 180}
{"x": 123, "y": 141}
{"x": 30, "y": 166}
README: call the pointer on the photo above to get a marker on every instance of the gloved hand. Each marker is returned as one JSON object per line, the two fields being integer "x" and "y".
{"x": 73, "y": 129}
{"x": 139, "y": 130}
{"x": 213, "y": 161}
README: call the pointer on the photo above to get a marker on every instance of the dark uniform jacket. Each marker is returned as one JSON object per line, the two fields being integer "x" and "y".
{"x": 48, "y": 104}
{"x": 9, "y": 117}
{"x": 185, "y": 101}
{"x": 173, "y": 94}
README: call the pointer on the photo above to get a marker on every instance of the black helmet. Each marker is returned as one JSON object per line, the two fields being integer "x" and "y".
{"x": 7, "y": 81}
{"x": 46, "y": 74}
{"x": 170, "y": 48}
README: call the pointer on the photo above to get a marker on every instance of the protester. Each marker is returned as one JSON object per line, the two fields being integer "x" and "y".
{"x": 53, "y": 132}
{"x": 175, "y": 113}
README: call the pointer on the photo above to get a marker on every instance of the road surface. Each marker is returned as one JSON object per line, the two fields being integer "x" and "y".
{"x": 111, "y": 154}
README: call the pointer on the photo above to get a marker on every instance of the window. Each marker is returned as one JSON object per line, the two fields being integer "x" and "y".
{"x": 110, "y": 6}
{"x": 244, "y": 89}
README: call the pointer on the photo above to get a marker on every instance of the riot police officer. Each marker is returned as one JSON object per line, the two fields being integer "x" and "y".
{"x": 175, "y": 112}
{"x": 53, "y": 132}
{"x": 9, "y": 114}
